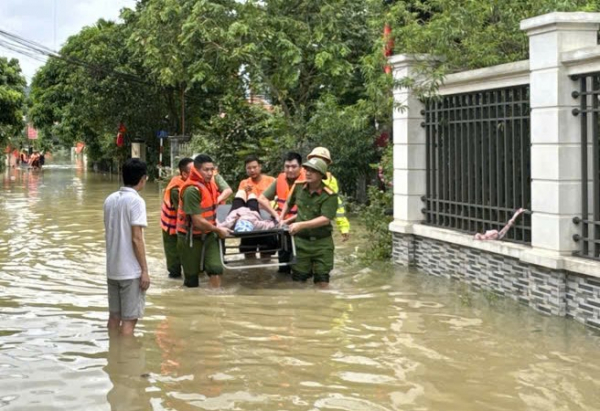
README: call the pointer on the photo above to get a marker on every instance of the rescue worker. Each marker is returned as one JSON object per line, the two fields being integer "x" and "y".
{"x": 256, "y": 183}
{"x": 340, "y": 218}
{"x": 316, "y": 204}
{"x": 168, "y": 217}
{"x": 197, "y": 232}
{"x": 34, "y": 160}
{"x": 224, "y": 190}
{"x": 24, "y": 158}
{"x": 280, "y": 189}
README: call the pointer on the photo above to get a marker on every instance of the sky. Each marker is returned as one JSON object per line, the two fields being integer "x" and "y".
{"x": 51, "y": 22}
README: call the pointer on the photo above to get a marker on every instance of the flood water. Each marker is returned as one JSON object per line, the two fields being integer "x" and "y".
{"x": 382, "y": 338}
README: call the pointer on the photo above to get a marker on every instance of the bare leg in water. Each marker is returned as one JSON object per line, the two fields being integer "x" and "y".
{"x": 116, "y": 326}
{"x": 215, "y": 281}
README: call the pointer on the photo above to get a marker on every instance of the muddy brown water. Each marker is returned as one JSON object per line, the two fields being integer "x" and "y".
{"x": 382, "y": 338}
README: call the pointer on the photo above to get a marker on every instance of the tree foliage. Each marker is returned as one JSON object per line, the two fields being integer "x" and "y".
{"x": 185, "y": 48}
{"x": 469, "y": 34}
{"x": 12, "y": 99}
{"x": 313, "y": 59}
{"x": 94, "y": 88}
{"x": 318, "y": 63}
{"x": 189, "y": 66}
{"x": 171, "y": 62}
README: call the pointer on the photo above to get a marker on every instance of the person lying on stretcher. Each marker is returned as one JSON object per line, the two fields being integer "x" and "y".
{"x": 245, "y": 215}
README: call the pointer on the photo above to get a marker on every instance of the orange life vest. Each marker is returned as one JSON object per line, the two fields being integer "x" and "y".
{"x": 283, "y": 191}
{"x": 168, "y": 215}
{"x": 208, "y": 203}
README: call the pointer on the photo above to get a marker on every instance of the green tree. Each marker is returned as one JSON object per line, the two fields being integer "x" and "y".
{"x": 96, "y": 85}
{"x": 468, "y": 34}
{"x": 240, "y": 129}
{"x": 183, "y": 44}
{"x": 312, "y": 59}
{"x": 12, "y": 100}
{"x": 305, "y": 57}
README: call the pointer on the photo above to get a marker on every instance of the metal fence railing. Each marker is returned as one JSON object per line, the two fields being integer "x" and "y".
{"x": 589, "y": 219}
{"x": 478, "y": 161}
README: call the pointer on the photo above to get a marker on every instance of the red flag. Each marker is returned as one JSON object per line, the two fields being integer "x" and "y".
{"x": 388, "y": 48}
{"x": 120, "y": 135}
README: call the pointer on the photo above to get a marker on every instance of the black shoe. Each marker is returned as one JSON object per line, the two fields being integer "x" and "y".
{"x": 174, "y": 275}
{"x": 192, "y": 282}
{"x": 284, "y": 270}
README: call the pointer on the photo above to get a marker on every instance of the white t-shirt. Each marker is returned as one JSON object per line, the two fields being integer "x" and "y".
{"x": 122, "y": 210}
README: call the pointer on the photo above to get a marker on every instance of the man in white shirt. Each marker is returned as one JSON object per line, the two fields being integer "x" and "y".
{"x": 126, "y": 267}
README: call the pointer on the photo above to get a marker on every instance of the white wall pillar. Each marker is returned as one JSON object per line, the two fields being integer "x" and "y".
{"x": 409, "y": 145}
{"x": 138, "y": 150}
{"x": 555, "y": 132}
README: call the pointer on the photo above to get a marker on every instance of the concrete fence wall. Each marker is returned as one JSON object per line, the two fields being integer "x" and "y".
{"x": 545, "y": 275}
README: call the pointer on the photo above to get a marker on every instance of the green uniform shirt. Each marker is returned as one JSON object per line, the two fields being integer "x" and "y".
{"x": 221, "y": 183}
{"x": 270, "y": 192}
{"x": 191, "y": 201}
{"x": 313, "y": 205}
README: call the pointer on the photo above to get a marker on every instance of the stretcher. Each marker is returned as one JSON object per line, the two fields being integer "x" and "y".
{"x": 285, "y": 242}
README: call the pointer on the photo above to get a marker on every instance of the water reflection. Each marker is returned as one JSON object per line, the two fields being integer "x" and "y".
{"x": 126, "y": 367}
{"x": 381, "y": 338}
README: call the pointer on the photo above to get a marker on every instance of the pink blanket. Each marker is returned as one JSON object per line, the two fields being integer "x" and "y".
{"x": 244, "y": 213}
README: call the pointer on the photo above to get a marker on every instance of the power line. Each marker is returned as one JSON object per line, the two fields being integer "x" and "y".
{"x": 38, "y": 52}
{"x": 20, "y": 50}
{"x": 33, "y": 49}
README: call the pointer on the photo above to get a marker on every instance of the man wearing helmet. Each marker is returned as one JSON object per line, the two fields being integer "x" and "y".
{"x": 316, "y": 207}
{"x": 340, "y": 218}
{"x": 280, "y": 190}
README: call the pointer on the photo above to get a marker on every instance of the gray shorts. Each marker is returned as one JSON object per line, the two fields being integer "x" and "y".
{"x": 126, "y": 299}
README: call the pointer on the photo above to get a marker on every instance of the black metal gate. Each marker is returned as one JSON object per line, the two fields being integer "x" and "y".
{"x": 589, "y": 220}
{"x": 478, "y": 161}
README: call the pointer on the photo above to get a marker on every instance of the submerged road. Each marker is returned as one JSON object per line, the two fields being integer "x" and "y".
{"x": 382, "y": 338}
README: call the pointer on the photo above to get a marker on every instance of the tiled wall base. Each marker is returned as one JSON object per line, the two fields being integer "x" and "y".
{"x": 555, "y": 292}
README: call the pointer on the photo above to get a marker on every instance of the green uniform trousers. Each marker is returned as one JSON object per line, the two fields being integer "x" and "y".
{"x": 314, "y": 258}
{"x": 191, "y": 257}
{"x": 172, "y": 254}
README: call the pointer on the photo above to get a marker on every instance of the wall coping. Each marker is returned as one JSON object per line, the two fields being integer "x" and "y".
{"x": 526, "y": 254}
{"x": 502, "y": 75}
{"x": 499, "y": 76}
{"x": 561, "y": 20}
{"x": 582, "y": 61}
{"x": 402, "y": 60}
